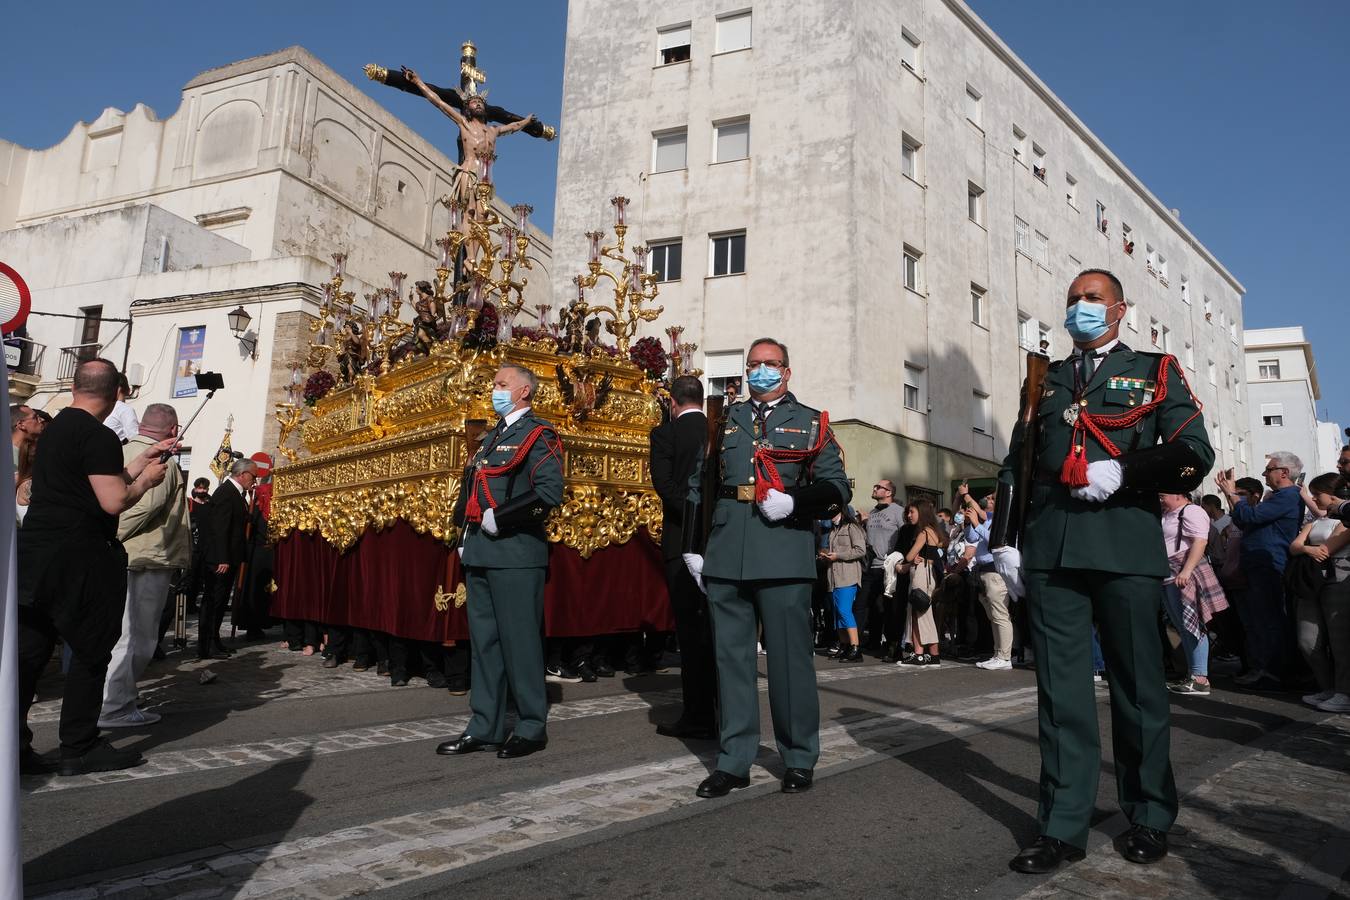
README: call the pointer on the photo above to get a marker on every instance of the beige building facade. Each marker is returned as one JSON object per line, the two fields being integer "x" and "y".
{"x": 137, "y": 234}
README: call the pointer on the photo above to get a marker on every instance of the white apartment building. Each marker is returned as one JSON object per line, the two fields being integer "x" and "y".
{"x": 888, "y": 189}
{"x": 1282, "y": 395}
{"x": 137, "y": 234}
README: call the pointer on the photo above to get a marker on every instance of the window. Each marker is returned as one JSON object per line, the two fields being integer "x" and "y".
{"x": 672, "y": 44}
{"x": 914, "y": 388}
{"x": 1019, "y": 146}
{"x": 975, "y": 202}
{"x": 1071, "y": 190}
{"x": 1153, "y": 331}
{"x": 1043, "y": 338}
{"x": 724, "y": 368}
{"x": 1185, "y": 289}
{"x": 1232, "y": 330}
{"x": 1165, "y": 339}
{"x": 977, "y": 313}
{"x": 1150, "y": 259}
{"x": 665, "y": 259}
{"x": 1102, "y": 224}
{"x": 980, "y": 412}
{"x": 669, "y": 150}
{"x": 1189, "y": 356}
{"x": 909, "y": 157}
{"x": 727, "y": 254}
{"x": 1213, "y": 372}
{"x": 1021, "y": 236}
{"x": 1223, "y": 318}
{"x": 731, "y": 140}
{"x": 1242, "y": 451}
{"x": 1027, "y": 335}
{"x": 1162, "y": 268}
{"x": 1038, "y": 161}
{"x": 1042, "y": 248}
{"x": 1131, "y": 315}
{"x": 91, "y": 319}
{"x": 1127, "y": 238}
{"x": 909, "y": 51}
{"x": 913, "y": 274}
{"x": 973, "y": 105}
{"x": 733, "y": 32}
{"x": 1268, "y": 369}
{"x": 1272, "y": 414}
{"x": 1075, "y": 264}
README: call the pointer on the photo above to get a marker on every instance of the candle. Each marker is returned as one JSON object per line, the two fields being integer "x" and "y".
{"x": 634, "y": 279}
{"x": 595, "y": 237}
{"x": 508, "y": 241}
{"x": 619, "y": 204}
{"x": 456, "y": 215}
{"x": 339, "y": 265}
{"x": 581, "y": 288}
{"x": 396, "y": 281}
{"x": 522, "y": 211}
{"x": 444, "y": 243}
{"x": 476, "y": 294}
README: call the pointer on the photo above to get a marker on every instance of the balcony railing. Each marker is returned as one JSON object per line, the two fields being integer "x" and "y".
{"x": 30, "y": 355}
{"x": 72, "y": 357}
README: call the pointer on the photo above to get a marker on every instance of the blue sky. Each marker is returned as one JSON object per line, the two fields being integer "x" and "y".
{"x": 1232, "y": 111}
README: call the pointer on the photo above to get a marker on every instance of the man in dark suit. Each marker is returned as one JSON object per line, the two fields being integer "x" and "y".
{"x": 223, "y": 549}
{"x": 676, "y": 447}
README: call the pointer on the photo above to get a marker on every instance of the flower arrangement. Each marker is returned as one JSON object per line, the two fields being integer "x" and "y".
{"x": 649, "y": 356}
{"x": 484, "y": 333}
{"x": 318, "y": 386}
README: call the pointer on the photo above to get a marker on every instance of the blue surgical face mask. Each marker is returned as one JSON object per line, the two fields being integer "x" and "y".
{"x": 1086, "y": 321}
{"x": 765, "y": 378}
{"x": 959, "y": 518}
{"x": 502, "y": 402}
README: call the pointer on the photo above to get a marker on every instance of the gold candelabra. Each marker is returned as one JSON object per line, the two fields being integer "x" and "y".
{"x": 634, "y": 286}
{"x": 681, "y": 354}
{"x": 289, "y": 412}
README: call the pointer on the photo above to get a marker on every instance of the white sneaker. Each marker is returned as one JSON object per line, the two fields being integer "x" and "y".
{"x": 759, "y": 649}
{"x": 1252, "y": 676}
{"x": 134, "y": 718}
{"x": 1340, "y": 703}
{"x": 993, "y": 663}
{"x": 1318, "y": 698}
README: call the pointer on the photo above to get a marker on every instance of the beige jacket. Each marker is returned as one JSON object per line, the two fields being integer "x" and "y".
{"x": 849, "y": 544}
{"x": 156, "y": 531}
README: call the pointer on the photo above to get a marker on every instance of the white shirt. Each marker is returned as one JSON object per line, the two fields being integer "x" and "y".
{"x": 692, "y": 409}
{"x": 1098, "y": 352}
{"x": 243, "y": 492}
{"x": 513, "y": 417}
{"x": 123, "y": 421}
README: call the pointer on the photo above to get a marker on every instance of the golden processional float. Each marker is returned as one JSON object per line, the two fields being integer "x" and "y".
{"x": 363, "y": 521}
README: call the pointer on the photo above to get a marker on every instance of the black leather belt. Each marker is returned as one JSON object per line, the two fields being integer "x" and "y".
{"x": 745, "y": 493}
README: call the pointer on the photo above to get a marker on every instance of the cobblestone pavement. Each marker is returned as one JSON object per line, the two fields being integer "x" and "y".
{"x": 381, "y": 854}
{"x": 1275, "y": 825}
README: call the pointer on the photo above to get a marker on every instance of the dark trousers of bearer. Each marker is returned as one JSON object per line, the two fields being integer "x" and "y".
{"x": 506, "y": 611}
{"x": 784, "y": 609}
{"x": 1061, "y": 605}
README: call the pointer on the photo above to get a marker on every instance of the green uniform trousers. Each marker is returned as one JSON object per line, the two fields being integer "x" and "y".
{"x": 1060, "y": 605}
{"x": 784, "y": 608}
{"x": 505, "y": 611}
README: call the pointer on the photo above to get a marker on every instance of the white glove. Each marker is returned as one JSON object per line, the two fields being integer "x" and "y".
{"x": 1104, "y": 478}
{"x": 776, "y": 505}
{"x": 489, "y": 523}
{"x": 460, "y": 551}
{"x": 694, "y": 563}
{"x": 1008, "y": 564}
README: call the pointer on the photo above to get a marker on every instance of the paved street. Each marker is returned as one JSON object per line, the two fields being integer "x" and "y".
{"x": 283, "y": 779}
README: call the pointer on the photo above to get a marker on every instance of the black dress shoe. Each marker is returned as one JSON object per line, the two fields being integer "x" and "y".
{"x": 516, "y": 747}
{"x": 465, "y": 743}
{"x": 31, "y": 763}
{"x": 690, "y": 730}
{"x": 602, "y": 668}
{"x": 102, "y": 757}
{"x": 330, "y": 662}
{"x": 1045, "y": 855}
{"x": 720, "y": 783}
{"x": 1144, "y": 845}
{"x": 796, "y": 780}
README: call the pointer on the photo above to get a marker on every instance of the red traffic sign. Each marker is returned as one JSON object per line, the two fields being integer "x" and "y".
{"x": 15, "y": 300}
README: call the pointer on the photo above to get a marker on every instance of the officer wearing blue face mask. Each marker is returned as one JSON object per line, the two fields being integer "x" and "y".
{"x": 781, "y": 468}
{"x": 1114, "y": 428}
{"x": 508, "y": 489}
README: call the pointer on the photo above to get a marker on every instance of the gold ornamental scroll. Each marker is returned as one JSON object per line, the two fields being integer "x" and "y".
{"x": 392, "y": 446}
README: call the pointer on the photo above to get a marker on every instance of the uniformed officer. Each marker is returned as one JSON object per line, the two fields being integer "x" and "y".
{"x": 780, "y": 469}
{"x": 1116, "y": 427}
{"x": 508, "y": 489}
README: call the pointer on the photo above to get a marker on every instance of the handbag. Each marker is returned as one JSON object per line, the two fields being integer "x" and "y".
{"x": 921, "y": 586}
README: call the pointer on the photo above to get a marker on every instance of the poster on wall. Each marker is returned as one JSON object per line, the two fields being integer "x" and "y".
{"x": 189, "y": 363}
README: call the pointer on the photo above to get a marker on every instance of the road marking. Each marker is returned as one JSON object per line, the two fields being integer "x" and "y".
{"x": 181, "y": 762}
{"x": 381, "y": 854}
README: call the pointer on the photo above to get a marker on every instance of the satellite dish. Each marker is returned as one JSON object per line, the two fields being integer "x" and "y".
{"x": 15, "y": 300}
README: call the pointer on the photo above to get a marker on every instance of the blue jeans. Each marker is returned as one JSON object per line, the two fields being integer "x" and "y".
{"x": 1197, "y": 651}
{"x": 1098, "y": 663}
{"x": 843, "y": 606}
{"x": 1261, "y": 608}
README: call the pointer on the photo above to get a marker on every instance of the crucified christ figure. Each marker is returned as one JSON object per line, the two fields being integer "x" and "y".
{"x": 478, "y": 137}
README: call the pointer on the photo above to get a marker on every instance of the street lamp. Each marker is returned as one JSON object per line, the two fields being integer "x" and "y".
{"x": 239, "y": 320}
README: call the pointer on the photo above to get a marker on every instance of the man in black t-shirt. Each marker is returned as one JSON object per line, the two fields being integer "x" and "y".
{"x": 72, "y": 568}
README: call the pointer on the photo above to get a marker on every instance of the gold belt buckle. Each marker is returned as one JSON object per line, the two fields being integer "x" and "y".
{"x": 745, "y": 493}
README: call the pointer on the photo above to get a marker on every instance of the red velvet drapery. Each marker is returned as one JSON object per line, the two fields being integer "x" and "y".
{"x": 387, "y": 582}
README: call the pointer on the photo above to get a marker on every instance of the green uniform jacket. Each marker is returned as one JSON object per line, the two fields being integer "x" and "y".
{"x": 1123, "y": 534}
{"x": 520, "y": 542}
{"x": 743, "y": 545}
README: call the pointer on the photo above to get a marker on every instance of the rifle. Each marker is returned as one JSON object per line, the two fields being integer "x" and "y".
{"x": 710, "y": 479}
{"x": 1010, "y": 501}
